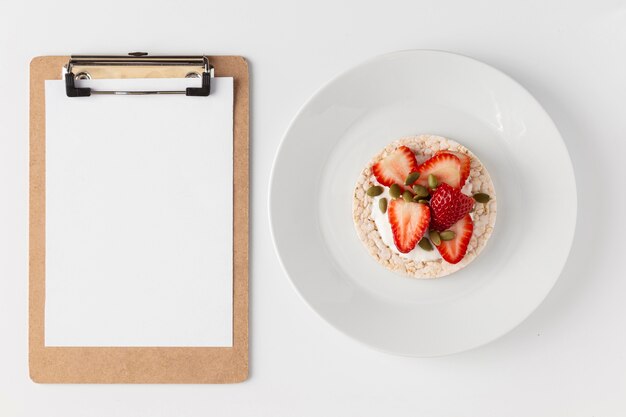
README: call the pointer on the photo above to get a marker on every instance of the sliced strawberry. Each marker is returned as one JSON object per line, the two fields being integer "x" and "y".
{"x": 445, "y": 166}
{"x": 465, "y": 164}
{"x": 409, "y": 222}
{"x": 454, "y": 250}
{"x": 395, "y": 167}
{"x": 448, "y": 205}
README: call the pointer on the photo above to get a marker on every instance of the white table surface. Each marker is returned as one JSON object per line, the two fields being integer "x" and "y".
{"x": 568, "y": 358}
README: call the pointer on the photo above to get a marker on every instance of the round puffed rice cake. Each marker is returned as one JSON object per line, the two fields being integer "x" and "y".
{"x": 484, "y": 215}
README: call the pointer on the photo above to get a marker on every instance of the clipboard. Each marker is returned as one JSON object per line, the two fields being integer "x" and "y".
{"x": 77, "y": 364}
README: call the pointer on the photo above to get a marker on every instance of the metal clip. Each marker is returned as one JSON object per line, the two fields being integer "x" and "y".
{"x": 116, "y": 66}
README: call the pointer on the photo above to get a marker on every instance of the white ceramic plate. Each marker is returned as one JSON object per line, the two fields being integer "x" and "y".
{"x": 351, "y": 119}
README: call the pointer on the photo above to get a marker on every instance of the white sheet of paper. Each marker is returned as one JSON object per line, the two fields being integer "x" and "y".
{"x": 139, "y": 216}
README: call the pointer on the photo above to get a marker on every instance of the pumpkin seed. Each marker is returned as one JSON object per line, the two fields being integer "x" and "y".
{"x": 420, "y": 190}
{"x": 434, "y": 236}
{"x": 447, "y": 235}
{"x": 482, "y": 197}
{"x": 425, "y": 244}
{"x": 433, "y": 182}
{"x": 395, "y": 191}
{"x": 422, "y": 201}
{"x": 407, "y": 196}
{"x": 374, "y": 190}
{"x": 411, "y": 178}
{"x": 382, "y": 205}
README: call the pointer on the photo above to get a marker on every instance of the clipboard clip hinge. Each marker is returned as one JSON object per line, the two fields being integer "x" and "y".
{"x": 71, "y": 90}
{"x": 109, "y": 66}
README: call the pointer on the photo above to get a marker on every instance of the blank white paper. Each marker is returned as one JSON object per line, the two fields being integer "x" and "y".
{"x": 139, "y": 216}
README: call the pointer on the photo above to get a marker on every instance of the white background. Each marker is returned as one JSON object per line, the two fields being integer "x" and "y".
{"x": 568, "y": 358}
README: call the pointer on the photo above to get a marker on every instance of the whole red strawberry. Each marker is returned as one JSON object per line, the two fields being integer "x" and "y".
{"x": 448, "y": 206}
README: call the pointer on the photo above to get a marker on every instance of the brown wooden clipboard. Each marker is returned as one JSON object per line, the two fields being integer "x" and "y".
{"x": 137, "y": 364}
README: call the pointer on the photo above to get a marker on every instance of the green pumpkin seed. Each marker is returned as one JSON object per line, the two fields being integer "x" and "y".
{"x": 374, "y": 190}
{"x": 433, "y": 182}
{"x": 420, "y": 190}
{"x": 447, "y": 235}
{"x": 482, "y": 197}
{"x": 425, "y": 244}
{"x": 382, "y": 205}
{"x": 411, "y": 178}
{"x": 395, "y": 191}
{"x": 407, "y": 196}
{"x": 422, "y": 201}
{"x": 434, "y": 236}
